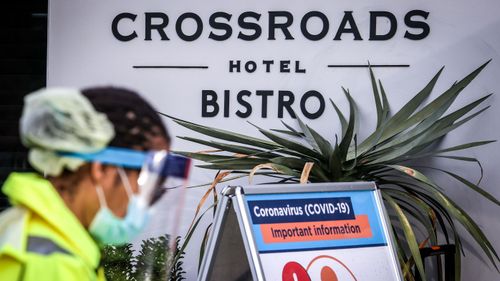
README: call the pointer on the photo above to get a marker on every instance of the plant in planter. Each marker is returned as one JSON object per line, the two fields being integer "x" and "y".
{"x": 386, "y": 156}
{"x": 152, "y": 262}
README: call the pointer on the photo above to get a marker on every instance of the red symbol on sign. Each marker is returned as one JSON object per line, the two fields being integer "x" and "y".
{"x": 293, "y": 271}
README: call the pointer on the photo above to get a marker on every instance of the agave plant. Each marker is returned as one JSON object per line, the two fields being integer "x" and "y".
{"x": 387, "y": 156}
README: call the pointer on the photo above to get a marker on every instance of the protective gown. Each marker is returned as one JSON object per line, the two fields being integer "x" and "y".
{"x": 40, "y": 238}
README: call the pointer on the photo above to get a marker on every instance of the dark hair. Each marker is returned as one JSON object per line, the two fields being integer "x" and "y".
{"x": 136, "y": 122}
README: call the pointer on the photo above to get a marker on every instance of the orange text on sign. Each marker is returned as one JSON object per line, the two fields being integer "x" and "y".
{"x": 318, "y": 230}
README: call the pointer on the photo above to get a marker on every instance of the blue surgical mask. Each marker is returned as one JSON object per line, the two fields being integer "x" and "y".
{"x": 107, "y": 228}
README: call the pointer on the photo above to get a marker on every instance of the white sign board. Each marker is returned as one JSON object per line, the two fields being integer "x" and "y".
{"x": 328, "y": 231}
{"x": 224, "y": 62}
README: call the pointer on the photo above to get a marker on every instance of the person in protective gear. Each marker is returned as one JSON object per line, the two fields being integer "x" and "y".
{"x": 88, "y": 148}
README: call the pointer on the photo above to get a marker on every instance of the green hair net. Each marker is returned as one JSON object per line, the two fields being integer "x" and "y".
{"x": 61, "y": 120}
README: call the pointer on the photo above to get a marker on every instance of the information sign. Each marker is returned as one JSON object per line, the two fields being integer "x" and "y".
{"x": 326, "y": 232}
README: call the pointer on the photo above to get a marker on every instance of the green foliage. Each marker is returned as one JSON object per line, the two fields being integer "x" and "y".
{"x": 118, "y": 262}
{"x": 386, "y": 156}
{"x": 152, "y": 262}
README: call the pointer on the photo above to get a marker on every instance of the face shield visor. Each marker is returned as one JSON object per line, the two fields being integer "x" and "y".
{"x": 159, "y": 170}
{"x": 162, "y": 171}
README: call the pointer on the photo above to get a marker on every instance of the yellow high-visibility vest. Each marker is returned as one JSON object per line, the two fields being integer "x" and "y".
{"x": 40, "y": 238}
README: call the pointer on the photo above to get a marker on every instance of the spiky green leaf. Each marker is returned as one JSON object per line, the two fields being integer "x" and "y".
{"x": 343, "y": 121}
{"x": 411, "y": 239}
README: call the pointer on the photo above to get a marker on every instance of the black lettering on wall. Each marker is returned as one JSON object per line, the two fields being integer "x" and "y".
{"x": 373, "y": 25}
{"x": 303, "y": 108}
{"x": 273, "y": 24}
{"x": 180, "y": 32}
{"x": 353, "y": 28}
{"x": 285, "y": 66}
{"x": 264, "y": 94}
{"x": 209, "y": 99}
{"x": 116, "y": 32}
{"x": 245, "y": 104}
{"x": 412, "y": 23}
{"x": 257, "y": 30}
{"x": 226, "y": 103}
{"x": 285, "y": 103}
{"x": 159, "y": 27}
{"x": 234, "y": 65}
{"x": 324, "y": 28}
{"x": 228, "y": 31}
{"x": 250, "y": 66}
{"x": 298, "y": 69}
{"x": 268, "y": 64}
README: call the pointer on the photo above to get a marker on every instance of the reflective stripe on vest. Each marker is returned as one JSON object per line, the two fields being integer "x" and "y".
{"x": 44, "y": 246}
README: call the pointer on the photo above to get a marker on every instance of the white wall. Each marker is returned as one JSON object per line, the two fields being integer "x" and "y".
{"x": 463, "y": 34}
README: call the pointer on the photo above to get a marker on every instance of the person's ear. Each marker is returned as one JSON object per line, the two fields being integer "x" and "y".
{"x": 96, "y": 172}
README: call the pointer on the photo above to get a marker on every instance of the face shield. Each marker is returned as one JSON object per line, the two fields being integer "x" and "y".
{"x": 159, "y": 170}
